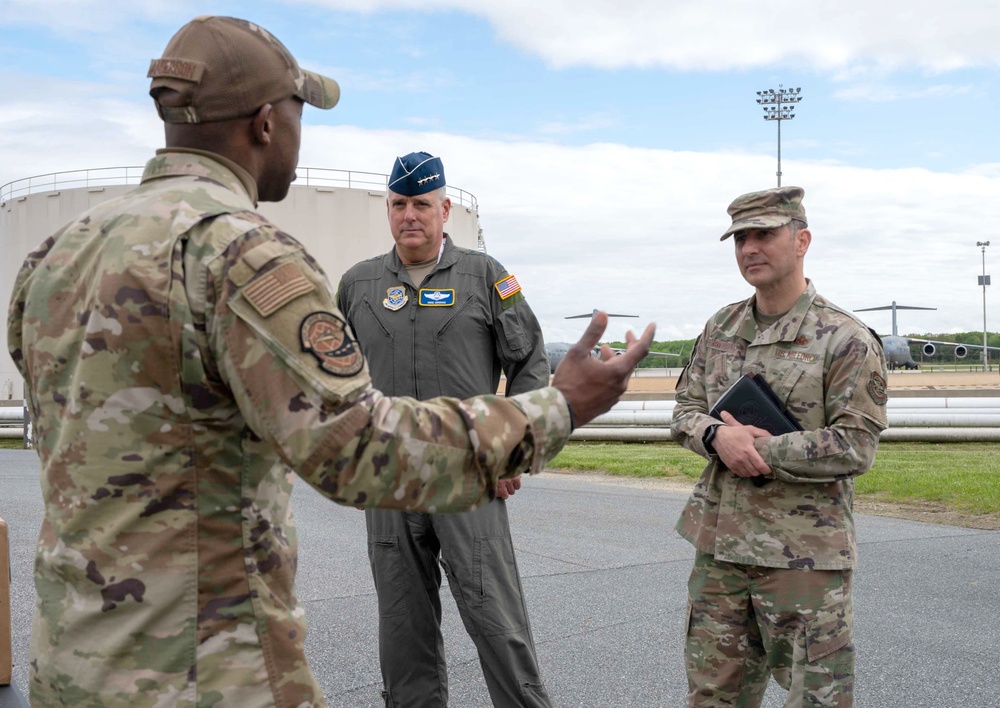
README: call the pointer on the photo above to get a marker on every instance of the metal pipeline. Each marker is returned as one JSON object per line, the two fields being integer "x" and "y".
{"x": 944, "y": 419}
{"x": 941, "y": 419}
{"x": 649, "y": 434}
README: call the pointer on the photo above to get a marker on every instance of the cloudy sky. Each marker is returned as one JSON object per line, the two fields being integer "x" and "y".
{"x": 604, "y": 139}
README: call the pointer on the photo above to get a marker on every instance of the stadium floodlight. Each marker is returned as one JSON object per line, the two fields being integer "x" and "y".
{"x": 779, "y": 105}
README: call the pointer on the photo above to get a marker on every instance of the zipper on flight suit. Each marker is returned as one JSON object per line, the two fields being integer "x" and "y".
{"x": 413, "y": 340}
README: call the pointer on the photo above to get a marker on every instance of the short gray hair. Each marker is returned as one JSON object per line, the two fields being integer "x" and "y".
{"x": 795, "y": 225}
{"x": 441, "y": 192}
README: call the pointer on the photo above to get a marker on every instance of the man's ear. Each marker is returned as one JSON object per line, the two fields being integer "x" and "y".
{"x": 262, "y": 127}
{"x": 803, "y": 238}
{"x": 446, "y": 208}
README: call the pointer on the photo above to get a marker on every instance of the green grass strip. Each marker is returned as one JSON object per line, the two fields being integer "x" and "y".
{"x": 962, "y": 476}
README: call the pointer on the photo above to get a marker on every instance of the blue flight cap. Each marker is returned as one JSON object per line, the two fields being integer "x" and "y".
{"x": 416, "y": 173}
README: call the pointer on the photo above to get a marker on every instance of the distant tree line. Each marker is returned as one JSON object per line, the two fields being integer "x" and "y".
{"x": 943, "y": 355}
{"x": 680, "y": 346}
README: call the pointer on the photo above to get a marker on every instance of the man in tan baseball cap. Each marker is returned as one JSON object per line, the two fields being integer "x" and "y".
{"x": 217, "y": 73}
{"x": 226, "y": 68}
{"x": 184, "y": 358}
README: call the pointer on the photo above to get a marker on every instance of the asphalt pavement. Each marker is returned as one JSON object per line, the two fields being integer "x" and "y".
{"x": 605, "y": 578}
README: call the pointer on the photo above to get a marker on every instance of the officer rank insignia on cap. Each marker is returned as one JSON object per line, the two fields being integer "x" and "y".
{"x": 325, "y": 336}
{"x": 430, "y": 297}
{"x": 416, "y": 173}
{"x": 396, "y": 298}
{"x": 507, "y": 287}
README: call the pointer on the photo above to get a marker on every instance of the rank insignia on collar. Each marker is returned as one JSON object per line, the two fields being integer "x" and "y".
{"x": 396, "y": 298}
{"x": 434, "y": 297}
{"x": 325, "y": 336}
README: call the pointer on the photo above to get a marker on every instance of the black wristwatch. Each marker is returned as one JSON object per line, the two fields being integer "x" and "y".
{"x": 709, "y": 436}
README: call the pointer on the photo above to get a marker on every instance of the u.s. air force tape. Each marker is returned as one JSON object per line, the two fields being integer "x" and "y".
{"x": 325, "y": 336}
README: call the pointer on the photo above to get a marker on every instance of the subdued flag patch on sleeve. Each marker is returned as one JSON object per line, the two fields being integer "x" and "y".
{"x": 275, "y": 289}
{"x": 507, "y": 287}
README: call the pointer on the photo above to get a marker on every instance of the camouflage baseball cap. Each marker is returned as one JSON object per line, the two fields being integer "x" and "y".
{"x": 228, "y": 68}
{"x": 766, "y": 210}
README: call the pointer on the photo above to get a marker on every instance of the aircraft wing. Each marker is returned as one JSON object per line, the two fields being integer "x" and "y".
{"x": 622, "y": 351}
{"x": 958, "y": 345}
{"x": 589, "y": 315}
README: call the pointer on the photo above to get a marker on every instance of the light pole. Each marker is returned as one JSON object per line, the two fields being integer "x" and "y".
{"x": 778, "y": 106}
{"x": 984, "y": 280}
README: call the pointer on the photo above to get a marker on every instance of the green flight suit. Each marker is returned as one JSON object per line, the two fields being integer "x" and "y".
{"x": 451, "y": 336}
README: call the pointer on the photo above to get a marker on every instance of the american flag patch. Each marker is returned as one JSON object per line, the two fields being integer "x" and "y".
{"x": 280, "y": 286}
{"x": 507, "y": 287}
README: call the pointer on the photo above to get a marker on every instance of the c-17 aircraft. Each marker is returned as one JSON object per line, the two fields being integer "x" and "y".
{"x": 556, "y": 351}
{"x": 897, "y": 349}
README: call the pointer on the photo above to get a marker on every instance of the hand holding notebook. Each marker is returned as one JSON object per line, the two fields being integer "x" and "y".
{"x": 752, "y": 402}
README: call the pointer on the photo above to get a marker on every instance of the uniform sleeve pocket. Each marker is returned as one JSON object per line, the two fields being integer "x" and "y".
{"x": 512, "y": 344}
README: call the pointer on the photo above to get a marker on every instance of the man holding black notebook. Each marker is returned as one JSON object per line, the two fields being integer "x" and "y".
{"x": 770, "y": 517}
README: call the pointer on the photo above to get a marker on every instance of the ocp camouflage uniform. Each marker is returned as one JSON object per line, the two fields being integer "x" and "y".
{"x": 183, "y": 357}
{"x": 788, "y": 545}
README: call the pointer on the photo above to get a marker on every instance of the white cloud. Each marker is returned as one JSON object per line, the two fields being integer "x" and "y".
{"x": 852, "y": 38}
{"x": 88, "y": 127}
{"x": 718, "y": 35}
{"x": 607, "y": 225}
{"x": 636, "y": 230}
{"x": 72, "y": 17}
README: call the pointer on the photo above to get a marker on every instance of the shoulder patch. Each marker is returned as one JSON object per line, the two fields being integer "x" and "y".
{"x": 325, "y": 336}
{"x": 507, "y": 287}
{"x": 276, "y": 288}
{"x": 877, "y": 388}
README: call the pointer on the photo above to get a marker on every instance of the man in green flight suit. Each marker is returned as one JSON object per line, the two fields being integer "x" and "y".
{"x": 770, "y": 517}
{"x": 437, "y": 320}
{"x": 182, "y": 357}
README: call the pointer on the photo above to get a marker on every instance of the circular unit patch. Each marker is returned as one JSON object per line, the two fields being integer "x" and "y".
{"x": 324, "y": 335}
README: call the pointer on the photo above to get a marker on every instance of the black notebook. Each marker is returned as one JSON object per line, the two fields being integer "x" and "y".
{"x": 752, "y": 402}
